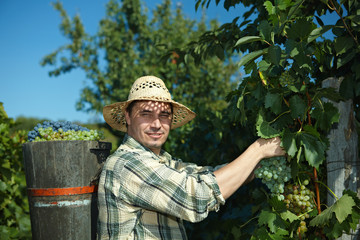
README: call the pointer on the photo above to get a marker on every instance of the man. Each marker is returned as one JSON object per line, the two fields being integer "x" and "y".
{"x": 145, "y": 193}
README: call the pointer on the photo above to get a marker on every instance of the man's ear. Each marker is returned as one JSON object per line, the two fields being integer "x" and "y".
{"x": 127, "y": 118}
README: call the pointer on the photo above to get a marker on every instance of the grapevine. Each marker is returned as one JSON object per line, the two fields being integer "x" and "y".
{"x": 62, "y": 130}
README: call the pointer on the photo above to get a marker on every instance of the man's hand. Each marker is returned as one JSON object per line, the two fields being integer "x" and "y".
{"x": 270, "y": 147}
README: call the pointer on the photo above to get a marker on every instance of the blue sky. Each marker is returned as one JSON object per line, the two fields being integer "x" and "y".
{"x": 29, "y": 31}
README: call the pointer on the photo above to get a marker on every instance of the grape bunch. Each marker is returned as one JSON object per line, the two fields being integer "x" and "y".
{"x": 300, "y": 200}
{"x": 274, "y": 172}
{"x": 286, "y": 80}
{"x": 62, "y": 130}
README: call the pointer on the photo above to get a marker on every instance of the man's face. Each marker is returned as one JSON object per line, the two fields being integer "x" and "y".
{"x": 149, "y": 123}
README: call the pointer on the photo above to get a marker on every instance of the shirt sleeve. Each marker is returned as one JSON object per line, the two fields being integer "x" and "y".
{"x": 188, "y": 193}
{"x": 191, "y": 167}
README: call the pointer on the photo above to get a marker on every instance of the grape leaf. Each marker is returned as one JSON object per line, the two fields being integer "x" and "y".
{"x": 314, "y": 149}
{"x": 264, "y": 129}
{"x": 267, "y": 218}
{"x": 297, "y": 106}
{"x": 265, "y": 31}
{"x": 283, "y": 122}
{"x": 334, "y": 231}
{"x": 345, "y": 208}
{"x": 273, "y": 101}
{"x": 279, "y": 234}
{"x": 329, "y": 93}
{"x": 325, "y": 116}
{"x": 355, "y": 217}
{"x": 274, "y": 54}
{"x": 291, "y": 48}
{"x": 342, "y": 208}
{"x": 277, "y": 205}
{"x": 289, "y": 142}
{"x": 289, "y": 215}
{"x": 301, "y": 29}
{"x": 311, "y": 130}
{"x": 261, "y": 233}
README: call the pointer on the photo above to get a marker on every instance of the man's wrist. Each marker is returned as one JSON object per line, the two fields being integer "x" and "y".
{"x": 258, "y": 149}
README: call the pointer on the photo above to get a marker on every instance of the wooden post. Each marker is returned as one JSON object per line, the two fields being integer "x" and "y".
{"x": 342, "y": 161}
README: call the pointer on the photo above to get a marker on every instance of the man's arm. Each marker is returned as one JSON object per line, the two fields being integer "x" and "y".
{"x": 235, "y": 174}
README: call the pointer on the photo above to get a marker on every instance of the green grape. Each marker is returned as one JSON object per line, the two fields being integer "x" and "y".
{"x": 302, "y": 229}
{"x": 286, "y": 79}
{"x": 300, "y": 203}
{"x": 274, "y": 172}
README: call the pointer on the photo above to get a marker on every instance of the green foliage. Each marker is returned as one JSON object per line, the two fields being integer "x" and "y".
{"x": 264, "y": 129}
{"x": 25, "y": 123}
{"x": 278, "y": 223}
{"x": 286, "y": 58}
{"x": 128, "y": 45}
{"x": 14, "y": 208}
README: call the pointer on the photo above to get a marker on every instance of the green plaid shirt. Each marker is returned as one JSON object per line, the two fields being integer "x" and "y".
{"x": 145, "y": 196}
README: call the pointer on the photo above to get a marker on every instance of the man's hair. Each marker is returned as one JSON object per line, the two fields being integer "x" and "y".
{"x": 130, "y": 107}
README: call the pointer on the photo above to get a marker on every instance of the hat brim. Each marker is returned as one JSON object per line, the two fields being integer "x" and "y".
{"x": 114, "y": 114}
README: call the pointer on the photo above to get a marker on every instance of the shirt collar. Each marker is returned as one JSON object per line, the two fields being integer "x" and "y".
{"x": 134, "y": 144}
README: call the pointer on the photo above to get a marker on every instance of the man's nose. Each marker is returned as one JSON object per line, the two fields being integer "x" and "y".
{"x": 156, "y": 123}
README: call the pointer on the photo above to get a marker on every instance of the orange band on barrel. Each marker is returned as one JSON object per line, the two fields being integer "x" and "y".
{"x": 37, "y": 192}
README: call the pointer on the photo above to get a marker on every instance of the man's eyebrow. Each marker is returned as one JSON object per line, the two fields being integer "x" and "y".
{"x": 145, "y": 111}
{"x": 150, "y": 111}
{"x": 166, "y": 112}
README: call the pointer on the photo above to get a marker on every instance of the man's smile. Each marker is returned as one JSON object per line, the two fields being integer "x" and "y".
{"x": 154, "y": 135}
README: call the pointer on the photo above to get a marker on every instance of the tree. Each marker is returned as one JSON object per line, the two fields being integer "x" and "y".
{"x": 286, "y": 59}
{"x": 129, "y": 45}
{"x": 14, "y": 208}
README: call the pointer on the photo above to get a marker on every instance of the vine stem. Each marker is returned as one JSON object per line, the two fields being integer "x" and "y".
{"x": 336, "y": 197}
{"x": 299, "y": 233}
{"x": 317, "y": 191}
{"x": 247, "y": 222}
{"x": 316, "y": 185}
{"x": 272, "y": 121}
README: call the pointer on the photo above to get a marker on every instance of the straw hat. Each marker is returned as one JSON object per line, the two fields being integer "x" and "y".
{"x": 146, "y": 88}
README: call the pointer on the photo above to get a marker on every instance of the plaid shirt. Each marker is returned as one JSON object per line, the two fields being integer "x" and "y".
{"x": 142, "y": 195}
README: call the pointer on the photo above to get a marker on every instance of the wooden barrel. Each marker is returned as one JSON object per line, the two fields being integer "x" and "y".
{"x": 61, "y": 179}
